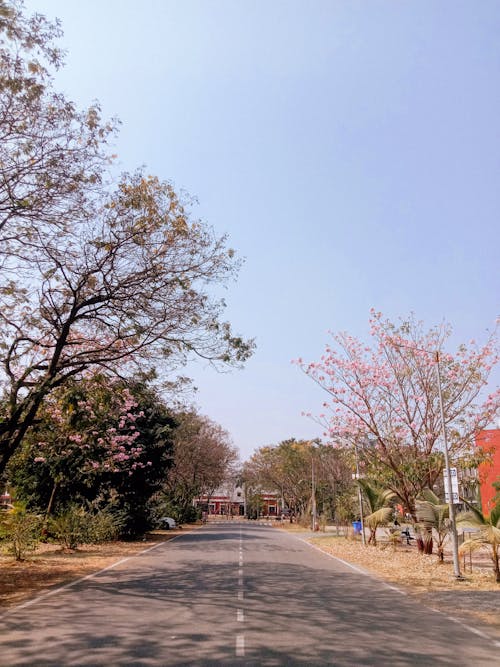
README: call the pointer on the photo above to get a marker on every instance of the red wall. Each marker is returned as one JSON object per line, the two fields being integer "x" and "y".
{"x": 489, "y": 472}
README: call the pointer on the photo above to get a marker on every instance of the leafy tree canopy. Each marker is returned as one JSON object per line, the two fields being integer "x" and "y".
{"x": 94, "y": 276}
{"x": 384, "y": 399}
{"x": 203, "y": 458}
{"x": 97, "y": 442}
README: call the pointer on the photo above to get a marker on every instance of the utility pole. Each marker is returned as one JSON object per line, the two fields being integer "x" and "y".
{"x": 360, "y": 497}
{"x": 313, "y": 492}
{"x": 453, "y": 525}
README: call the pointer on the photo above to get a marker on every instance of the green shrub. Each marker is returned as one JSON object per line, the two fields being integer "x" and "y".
{"x": 20, "y": 531}
{"x": 71, "y": 527}
{"x": 104, "y": 526}
{"x": 77, "y": 526}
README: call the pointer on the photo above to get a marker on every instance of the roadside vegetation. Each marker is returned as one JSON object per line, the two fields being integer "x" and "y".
{"x": 107, "y": 286}
{"x": 341, "y": 500}
{"x": 107, "y": 289}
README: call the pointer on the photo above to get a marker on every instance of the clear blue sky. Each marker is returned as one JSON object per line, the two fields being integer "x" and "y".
{"x": 349, "y": 148}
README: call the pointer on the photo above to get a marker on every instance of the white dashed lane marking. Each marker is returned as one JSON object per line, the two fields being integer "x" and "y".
{"x": 240, "y": 614}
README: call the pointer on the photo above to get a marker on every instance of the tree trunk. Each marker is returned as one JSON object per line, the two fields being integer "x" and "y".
{"x": 496, "y": 565}
{"x": 49, "y": 509}
{"x": 51, "y": 500}
{"x": 425, "y": 543}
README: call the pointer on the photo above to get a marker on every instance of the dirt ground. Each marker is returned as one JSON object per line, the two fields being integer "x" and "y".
{"x": 51, "y": 565}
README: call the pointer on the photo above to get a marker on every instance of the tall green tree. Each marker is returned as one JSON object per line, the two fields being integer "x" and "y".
{"x": 99, "y": 443}
{"x": 203, "y": 457}
{"x": 107, "y": 279}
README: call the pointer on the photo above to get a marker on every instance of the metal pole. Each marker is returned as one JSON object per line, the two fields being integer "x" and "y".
{"x": 360, "y": 498}
{"x": 313, "y": 492}
{"x": 454, "y": 536}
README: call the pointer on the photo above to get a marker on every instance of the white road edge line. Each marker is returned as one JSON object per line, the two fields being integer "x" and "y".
{"x": 475, "y": 631}
{"x": 240, "y": 616}
{"x": 399, "y": 590}
{"x": 240, "y": 646}
{"x": 60, "y": 589}
{"x": 353, "y": 567}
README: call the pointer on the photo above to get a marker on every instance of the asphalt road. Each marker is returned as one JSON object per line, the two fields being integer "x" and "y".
{"x": 235, "y": 594}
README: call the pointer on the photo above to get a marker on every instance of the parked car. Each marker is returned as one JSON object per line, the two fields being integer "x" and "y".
{"x": 166, "y": 522}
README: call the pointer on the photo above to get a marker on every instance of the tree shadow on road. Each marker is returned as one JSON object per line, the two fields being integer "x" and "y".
{"x": 157, "y": 611}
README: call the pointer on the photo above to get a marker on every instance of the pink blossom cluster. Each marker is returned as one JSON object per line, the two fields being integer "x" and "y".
{"x": 388, "y": 390}
{"x": 108, "y": 432}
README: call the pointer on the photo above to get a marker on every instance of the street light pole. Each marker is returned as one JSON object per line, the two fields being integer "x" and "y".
{"x": 360, "y": 497}
{"x": 313, "y": 492}
{"x": 454, "y": 536}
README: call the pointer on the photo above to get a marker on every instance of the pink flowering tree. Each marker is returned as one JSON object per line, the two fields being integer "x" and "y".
{"x": 86, "y": 432}
{"x": 384, "y": 399}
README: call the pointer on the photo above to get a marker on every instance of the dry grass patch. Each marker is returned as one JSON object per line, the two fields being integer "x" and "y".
{"x": 291, "y": 527}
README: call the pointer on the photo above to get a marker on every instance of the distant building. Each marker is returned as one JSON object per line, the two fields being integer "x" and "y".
{"x": 261, "y": 503}
{"x": 5, "y": 500}
{"x": 228, "y": 500}
{"x": 235, "y": 500}
{"x": 489, "y": 439}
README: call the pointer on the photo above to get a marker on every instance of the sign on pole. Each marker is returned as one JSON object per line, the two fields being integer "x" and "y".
{"x": 454, "y": 485}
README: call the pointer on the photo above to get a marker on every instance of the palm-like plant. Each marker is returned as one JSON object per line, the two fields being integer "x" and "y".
{"x": 433, "y": 514}
{"x": 377, "y": 501}
{"x": 488, "y": 535}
